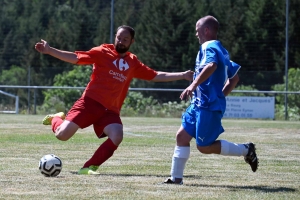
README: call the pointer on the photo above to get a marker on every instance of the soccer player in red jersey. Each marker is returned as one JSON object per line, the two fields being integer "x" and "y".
{"x": 113, "y": 69}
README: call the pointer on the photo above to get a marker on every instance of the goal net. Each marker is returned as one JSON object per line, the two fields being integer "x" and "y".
{"x": 9, "y": 103}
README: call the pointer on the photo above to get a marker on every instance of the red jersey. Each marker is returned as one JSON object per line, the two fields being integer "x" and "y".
{"x": 112, "y": 74}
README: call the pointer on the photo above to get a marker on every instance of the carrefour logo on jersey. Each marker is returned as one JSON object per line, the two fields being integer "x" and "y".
{"x": 121, "y": 65}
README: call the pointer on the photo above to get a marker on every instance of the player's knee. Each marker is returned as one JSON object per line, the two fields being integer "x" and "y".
{"x": 182, "y": 139}
{"x": 63, "y": 135}
{"x": 66, "y": 130}
{"x": 204, "y": 150}
{"x": 114, "y": 132}
{"x": 116, "y": 138}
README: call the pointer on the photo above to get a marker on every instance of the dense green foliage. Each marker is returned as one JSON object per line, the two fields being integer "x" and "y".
{"x": 136, "y": 104}
{"x": 253, "y": 32}
{"x": 293, "y": 99}
{"x": 57, "y": 100}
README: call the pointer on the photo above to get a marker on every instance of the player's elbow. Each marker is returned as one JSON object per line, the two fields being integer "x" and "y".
{"x": 235, "y": 80}
{"x": 160, "y": 77}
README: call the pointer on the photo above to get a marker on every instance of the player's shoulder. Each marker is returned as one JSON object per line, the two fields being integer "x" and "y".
{"x": 96, "y": 49}
{"x": 105, "y": 47}
{"x": 132, "y": 56}
{"x": 211, "y": 44}
{"x": 134, "y": 60}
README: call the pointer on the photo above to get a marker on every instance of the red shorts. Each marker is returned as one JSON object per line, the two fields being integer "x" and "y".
{"x": 87, "y": 111}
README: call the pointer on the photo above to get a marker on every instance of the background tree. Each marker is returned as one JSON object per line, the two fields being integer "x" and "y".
{"x": 293, "y": 99}
{"x": 14, "y": 76}
{"x": 253, "y": 32}
{"x": 161, "y": 40}
{"x": 57, "y": 100}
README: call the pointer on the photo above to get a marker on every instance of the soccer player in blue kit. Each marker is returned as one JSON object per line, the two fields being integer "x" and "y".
{"x": 214, "y": 78}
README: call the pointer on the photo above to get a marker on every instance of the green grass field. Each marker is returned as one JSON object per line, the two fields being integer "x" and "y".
{"x": 143, "y": 161}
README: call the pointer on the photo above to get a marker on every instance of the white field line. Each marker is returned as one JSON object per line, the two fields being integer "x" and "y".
{"x": 148, "y": 136}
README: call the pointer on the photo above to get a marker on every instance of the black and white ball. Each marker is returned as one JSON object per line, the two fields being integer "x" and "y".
{"x": 50, "y": 165}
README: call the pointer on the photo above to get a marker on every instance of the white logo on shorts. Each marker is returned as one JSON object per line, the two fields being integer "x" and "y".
{"x": 201, "y": 138}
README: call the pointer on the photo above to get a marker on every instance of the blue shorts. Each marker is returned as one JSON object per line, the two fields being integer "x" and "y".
{"x": 204, "y": 125}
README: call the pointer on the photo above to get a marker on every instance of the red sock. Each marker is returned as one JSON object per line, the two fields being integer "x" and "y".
{"x": 103, "y": 153}
{"x": 56, "y": 122}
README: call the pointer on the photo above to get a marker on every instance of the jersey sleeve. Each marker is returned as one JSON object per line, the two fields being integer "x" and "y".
{"x": 209, "y": 55}
{"x": 233, "y": 69}
{"x": 144, "y": 72}
{"x": 88, "y": 57}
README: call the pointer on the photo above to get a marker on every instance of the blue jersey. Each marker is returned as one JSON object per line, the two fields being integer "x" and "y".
{"x": 208, "y": 95}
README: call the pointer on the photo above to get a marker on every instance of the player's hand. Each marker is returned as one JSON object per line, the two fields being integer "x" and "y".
{"x": 188, "y": 92}
{"x": 42, "y": 47}
{"x": 188, "y": 75}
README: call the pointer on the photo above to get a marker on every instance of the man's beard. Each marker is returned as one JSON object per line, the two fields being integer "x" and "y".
{"x": 121, "y": 48}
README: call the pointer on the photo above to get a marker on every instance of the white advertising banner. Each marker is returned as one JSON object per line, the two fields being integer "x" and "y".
{"x": 250, "y": 107}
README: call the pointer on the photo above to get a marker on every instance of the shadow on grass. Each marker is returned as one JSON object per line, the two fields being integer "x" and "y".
{"x": 267, "y": 189}
{"x": 262, "y": 188}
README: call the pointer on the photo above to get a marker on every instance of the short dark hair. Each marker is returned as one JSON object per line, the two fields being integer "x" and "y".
{"x": 211, "y": 22}
{"x": 128, "y": 28}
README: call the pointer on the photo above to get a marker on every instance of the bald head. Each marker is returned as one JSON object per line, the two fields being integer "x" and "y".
{"x": 207, "y": 28}
{"x": 210, "y": 22}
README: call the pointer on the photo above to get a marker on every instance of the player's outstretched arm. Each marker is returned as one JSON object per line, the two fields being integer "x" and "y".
{"x": 67, "y": 56}
{"x": 230, "y": 85}
{"x": 173, "y": 76}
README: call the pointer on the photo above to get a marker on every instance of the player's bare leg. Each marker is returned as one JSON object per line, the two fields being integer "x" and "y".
{"x": 65, "y": 130}
{"x": 115, "y": 133}
{"x": 213, "y": 148}
{"x": 62, "y": 128}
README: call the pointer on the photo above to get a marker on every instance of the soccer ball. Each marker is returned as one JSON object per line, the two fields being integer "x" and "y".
{"x": 50, "y": 165}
